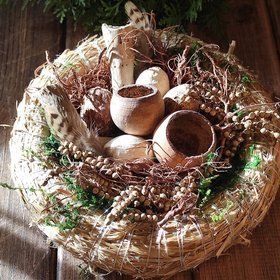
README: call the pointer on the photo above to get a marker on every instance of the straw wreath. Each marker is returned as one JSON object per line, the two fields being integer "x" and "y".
{"x": 141, "y": 217}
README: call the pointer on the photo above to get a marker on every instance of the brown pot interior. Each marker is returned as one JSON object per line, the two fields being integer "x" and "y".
{"x": 190, "y": 133}
{"x": 135, "y": 91}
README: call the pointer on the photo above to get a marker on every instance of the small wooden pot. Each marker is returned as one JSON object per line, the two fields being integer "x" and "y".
{"x": 137, "y": 109}
{"x": 184, "y": 138}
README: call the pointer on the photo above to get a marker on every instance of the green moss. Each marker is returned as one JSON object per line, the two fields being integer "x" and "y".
{"x": 67, "y": 216}
{"x": 254, "y": 160}
{"x": 71, "y": 216}
{"x": 50, "y": 146}
{"x": 246, "y": 79}
{"x": 221, "y": 215}
{"x": 50, "y": 149}
{"x": 86, "y": 197}
{"x": 210, "y": 186}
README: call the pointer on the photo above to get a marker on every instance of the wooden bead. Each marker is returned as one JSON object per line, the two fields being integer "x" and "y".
{"x": 60, "y": 148}
{"x": 109, "y": 172}
{"x": 99, "y": 164}
{"x": 136, "y": 217}
{"x": 207, "y": 109}
{"x": 276, "y": 135}
{"x": 149, "y": 217}
{"x": 183, "y": 189}
{"x": 252, "y": 115}
{"x": 155, "y": 218}
{"x": 214, "y": 89}
{"x": 227, "y": 134}
{"x": 153, "y": 190}
{"x": 203, "y": 107}
{"x": 160, "y": 205}
{"x": 227, "y": 153}
{"x": 134, "y": 193}
{"x": 193, "y": 186}
{"x": 213, "y": 113}
{"x": 143, "y": 216}
{"x": 147, "y": 202}
{"x": 163, "y": 196}
{"x": 240, "y": 139}
{"x": 263, "y": 130}
{"x": 235, "y": 143}
{"x": 78, "y": 155}
{"x": 136, "y": 203}
{"x": 85, "y": 154}
{"x": 88, "y": 159}
{"x": 247, "y": 124}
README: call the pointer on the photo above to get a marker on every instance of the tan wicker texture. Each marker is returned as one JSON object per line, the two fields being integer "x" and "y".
{"x": 141, "y": 249}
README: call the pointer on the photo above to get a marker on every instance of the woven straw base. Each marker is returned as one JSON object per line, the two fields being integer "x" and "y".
{"x": 139, "y": 249}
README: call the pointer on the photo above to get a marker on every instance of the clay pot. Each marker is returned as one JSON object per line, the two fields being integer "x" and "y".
{"x": 184, "y": 138}
{"x": 179, "y": 98}
{"x": 129, "y": 147}
{"x": 137, "y": 109}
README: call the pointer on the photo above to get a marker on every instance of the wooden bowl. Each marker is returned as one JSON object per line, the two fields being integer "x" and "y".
{"x": 137, "y": 109}
{"x": 184, "y": 138}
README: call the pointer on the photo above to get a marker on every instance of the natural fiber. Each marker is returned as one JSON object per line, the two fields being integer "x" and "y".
{"x": 142, "y": 249}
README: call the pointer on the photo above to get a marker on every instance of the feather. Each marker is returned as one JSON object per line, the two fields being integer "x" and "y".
{"x": 65, "y": 122}
{"x": 139, "y": 20}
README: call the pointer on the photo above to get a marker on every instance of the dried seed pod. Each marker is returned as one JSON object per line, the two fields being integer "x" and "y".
{"x": 129, "y": 147}
{"x": 156, "y": 77}
{"x": 179, "y": 98}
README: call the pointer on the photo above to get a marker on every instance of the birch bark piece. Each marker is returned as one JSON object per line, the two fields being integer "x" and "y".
{"x": 120, "y": 56}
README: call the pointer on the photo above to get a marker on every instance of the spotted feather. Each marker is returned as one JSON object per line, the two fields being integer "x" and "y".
{"x": 139, "y": 20}
{"x": 64, "y": 120}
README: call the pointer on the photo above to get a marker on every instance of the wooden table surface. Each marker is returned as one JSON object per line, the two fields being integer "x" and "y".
{"x": 24, "y": 37}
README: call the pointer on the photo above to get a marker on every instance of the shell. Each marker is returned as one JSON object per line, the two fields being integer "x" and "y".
{"x": 179, "y": 98}
{"x": 128, "y": 147}
{"x": 156, "y": 77}
{"x": 137, "y": 109}
{"x": 184, "y": 138}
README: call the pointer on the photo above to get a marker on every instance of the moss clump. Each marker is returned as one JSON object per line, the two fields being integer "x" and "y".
{"x": 50, "y": 149}
{"x": 210, "y": 186}
{"x": 85, "y": 197}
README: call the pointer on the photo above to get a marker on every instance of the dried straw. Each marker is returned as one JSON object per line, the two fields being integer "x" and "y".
{"x": 140, "y": 249}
